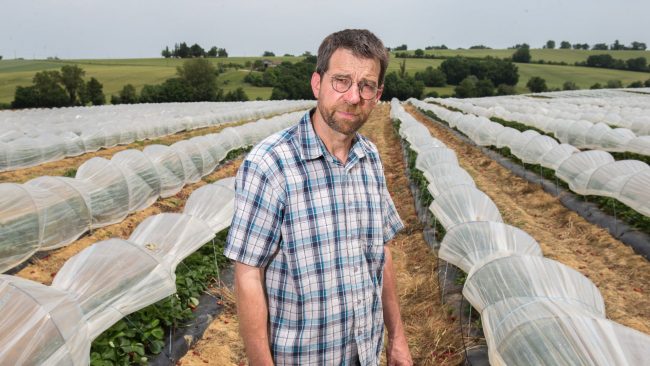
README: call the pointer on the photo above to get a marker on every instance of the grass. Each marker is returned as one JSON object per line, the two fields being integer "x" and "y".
{"x": 232, "y": 79}
{"x": 115, "y": 73}
{"x": 584, "y": 77}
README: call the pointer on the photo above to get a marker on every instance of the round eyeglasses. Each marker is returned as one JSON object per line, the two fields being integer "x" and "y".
{"x": 367, "y": 90}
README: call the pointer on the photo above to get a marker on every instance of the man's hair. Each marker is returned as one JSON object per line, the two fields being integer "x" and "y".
{"x": 361, "y": 42}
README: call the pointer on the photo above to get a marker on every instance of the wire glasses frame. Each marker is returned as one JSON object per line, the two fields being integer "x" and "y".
{"x": 342, "y": 84}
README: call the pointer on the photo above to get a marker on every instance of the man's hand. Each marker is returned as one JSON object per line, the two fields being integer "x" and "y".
{"x": 397, "y": 353}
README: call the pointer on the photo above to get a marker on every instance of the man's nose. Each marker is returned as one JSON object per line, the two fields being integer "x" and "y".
{"x": 353, "y": 95}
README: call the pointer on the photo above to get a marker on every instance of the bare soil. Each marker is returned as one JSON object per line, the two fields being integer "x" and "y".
{"x": 622, "y": 276}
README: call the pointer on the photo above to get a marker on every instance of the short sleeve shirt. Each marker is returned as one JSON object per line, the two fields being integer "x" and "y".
{"x": 318, "y": 227}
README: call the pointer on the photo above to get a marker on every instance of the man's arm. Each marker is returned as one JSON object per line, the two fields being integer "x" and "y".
{"x": 397, "y": 351}
{"x": 252, "y": 310}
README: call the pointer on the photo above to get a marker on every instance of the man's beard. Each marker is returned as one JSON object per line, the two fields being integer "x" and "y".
{"x": 347, "y": 127}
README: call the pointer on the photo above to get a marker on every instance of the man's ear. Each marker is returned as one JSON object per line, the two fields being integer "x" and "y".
{"x": 315, "y": 84}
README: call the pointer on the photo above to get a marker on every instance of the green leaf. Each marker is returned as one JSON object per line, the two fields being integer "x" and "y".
{"x": 194, "y": 301}
{"x": 138, "y": 348}
{"x": 154, "y": 323}
{"x": 158, "y": 333}
{"x": 156, "y": 347}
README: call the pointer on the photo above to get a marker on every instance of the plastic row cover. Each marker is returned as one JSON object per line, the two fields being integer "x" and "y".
{"x": 610, "y": 124}
{"x": 50, "y": 212}
{"x": 33, "y": 137}
{"x": 105, "y": 282}
{"x": 535, "y": 311}
{"x": 592, "y": 172}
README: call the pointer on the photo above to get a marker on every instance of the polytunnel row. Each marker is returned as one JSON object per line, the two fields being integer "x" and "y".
{"x": 592, "y": 96}
{"x": 534, "y": 311}
{"x": 592, "y": 172}
{"x": 36, "y": 136}
{"x": 586, "y": 129}
{"x": 55, "y": 325}
{"x": 48, "y": 212}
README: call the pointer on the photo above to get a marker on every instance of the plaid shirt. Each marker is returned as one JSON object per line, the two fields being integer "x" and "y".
{"x": 319, "y": 227}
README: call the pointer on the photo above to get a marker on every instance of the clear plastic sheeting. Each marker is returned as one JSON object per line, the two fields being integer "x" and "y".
{"x": 19, "y": 225}
{"x": 577, "y": 169}
{"x": 616, "y": 140}
{"x": 554, "y": 157}
{"x": 434, "y": 156}
{"x": 50, "y": 212}
{"x": 462, "y": 204}
{"x": 40, "y": 325}
{"x": 169, "y": 167}
{"x": 553, "y": 332}
{"x": 534, "y": 311}
{"x": 444, "y": 176}
{"x": 74, "y": 145}
{"x": 102, "y": 284}
{"x": 108, "y": 191}
{"x": 172, "y": 236}
{"x": 572, "y": 166}
{"x": 639, "y": 145}
{"x": 487, "y": 135}
{"x": 518, "y": 145}
{"x": 530, "y": 277}
{"x": 62, "y": 210}
{"x": 193, "y": 159}
{"x": 597, "y": 119}
{"x": 608, "y": 180}
{"x": 467, "y": 244}
{"x": 506, "y": 137}
{"x": 535, "y": 148}
{"x": 35, "y": 136}
{"x": 203, "y": 201}
{"x": 95, "y": 279}
{"x": 635, "y": 192}
{"x": 141, "y": 177}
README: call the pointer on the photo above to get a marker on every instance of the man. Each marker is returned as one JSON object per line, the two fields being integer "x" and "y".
{"x": 313, "y": 279}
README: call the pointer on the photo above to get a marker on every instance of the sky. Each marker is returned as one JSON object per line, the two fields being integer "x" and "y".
{"x": 76, "y": 29}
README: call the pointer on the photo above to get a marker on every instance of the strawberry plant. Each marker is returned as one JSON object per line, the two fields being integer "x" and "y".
{"x": 141, "y": 334}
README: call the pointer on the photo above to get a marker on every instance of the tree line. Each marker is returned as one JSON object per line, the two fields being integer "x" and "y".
{"x": 616, "y": 46}
{"x": 59, "y": 88}
{"x": 182, "y": 50}
{"x": 195, "y": 81}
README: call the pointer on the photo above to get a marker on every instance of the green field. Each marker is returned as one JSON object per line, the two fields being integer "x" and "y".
{"x": 115, "y": 73}
{"x": 555, "y": 75}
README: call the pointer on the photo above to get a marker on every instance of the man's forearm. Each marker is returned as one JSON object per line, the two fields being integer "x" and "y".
{"x": 252, "y": 310}
{"x": 390, "y": 301}
{"x": 397, "y": 352}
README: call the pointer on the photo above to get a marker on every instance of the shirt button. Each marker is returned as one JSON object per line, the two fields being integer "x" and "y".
{"x": 360, "y": 332}
{"x": 356, "y": 269}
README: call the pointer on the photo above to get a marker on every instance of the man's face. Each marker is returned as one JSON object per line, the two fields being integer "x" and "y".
{"x": 345, "y": 112}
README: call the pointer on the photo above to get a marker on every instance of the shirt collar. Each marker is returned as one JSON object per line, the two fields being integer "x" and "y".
{"x": 312, "y": 147}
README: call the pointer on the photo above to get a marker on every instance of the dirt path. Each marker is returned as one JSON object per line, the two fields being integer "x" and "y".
{"x": 622, "y": 276}
{"x": 432, "y": 334}
{"x": 59, "y": 167}
{"x": 43, "y": 270}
